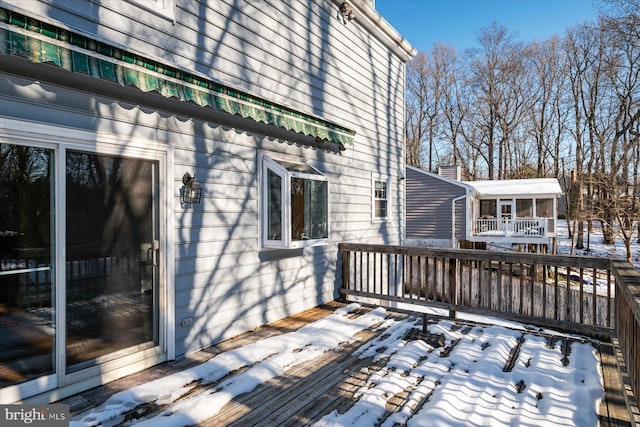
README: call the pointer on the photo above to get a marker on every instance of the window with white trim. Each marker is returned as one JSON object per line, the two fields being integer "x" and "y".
{"x": 380, "y": 198}
{"x": 295, "y": 204}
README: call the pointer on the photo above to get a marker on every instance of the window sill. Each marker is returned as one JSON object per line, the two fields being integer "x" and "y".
{"x": 379, "y": 220}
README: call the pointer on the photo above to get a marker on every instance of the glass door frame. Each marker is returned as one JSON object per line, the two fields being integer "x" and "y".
{"x": 122, "y": 361}
{"x": 59, "y": 384}
{"x": 16, "y": 392}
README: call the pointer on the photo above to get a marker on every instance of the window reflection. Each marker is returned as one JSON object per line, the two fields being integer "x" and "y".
{"x": 26, "y": 274}
{"x": 111, "y": 294}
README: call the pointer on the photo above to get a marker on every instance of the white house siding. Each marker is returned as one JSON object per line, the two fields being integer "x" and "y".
{"x": 296, "y": 53}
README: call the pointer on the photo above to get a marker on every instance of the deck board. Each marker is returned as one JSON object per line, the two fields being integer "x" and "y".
{"x": 613, "y": 409}
{"x": 315, "y": 388}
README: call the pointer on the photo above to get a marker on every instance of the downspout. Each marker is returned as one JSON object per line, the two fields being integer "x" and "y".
{"x": 453, "y": 217}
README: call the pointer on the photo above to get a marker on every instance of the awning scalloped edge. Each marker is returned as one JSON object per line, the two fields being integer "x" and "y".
{"x": 41, "y": 42}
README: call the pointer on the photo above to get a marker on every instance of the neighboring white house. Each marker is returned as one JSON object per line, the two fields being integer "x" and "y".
{"x": 176, "y": 172}
{"x": 442, "y": 211}
{"x": 522, "y": 211}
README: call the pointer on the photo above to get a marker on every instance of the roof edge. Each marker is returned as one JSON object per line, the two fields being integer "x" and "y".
{"x": 374, "y": 22}
{"x": 444, "y": 178}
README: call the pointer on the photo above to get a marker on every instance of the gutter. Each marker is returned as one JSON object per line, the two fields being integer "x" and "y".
{"x": 368, "y": 17}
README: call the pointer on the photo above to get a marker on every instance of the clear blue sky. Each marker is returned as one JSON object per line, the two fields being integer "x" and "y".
{"x": 457, "y": 22}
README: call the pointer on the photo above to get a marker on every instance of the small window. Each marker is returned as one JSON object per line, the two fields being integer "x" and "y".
{"x": 488, "y": 209}
{"x": 524, "y": 208}
{"x": 295, "y": 204}
{"x": 380, "y": 202}
{"x": 544, "y": 207}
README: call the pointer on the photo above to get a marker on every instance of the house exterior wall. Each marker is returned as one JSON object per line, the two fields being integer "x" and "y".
{"x": 429, "y": 208}
{"x": 219, "y": 280}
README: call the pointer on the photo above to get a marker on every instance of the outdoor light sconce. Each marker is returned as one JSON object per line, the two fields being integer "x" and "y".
{"x": 191, "y": 192}
{"x": 345, "y": 12}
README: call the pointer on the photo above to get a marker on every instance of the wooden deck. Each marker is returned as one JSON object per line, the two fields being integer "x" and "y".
{"x": 313, "y": 389}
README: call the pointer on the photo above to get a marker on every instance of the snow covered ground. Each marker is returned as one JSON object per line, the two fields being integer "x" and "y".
{"x": 596, "y": 247}
{"x": 472, "y": 380}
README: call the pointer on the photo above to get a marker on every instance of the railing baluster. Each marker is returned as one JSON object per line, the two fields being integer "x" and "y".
{"x": 609, "y": 322}
{"x": 510, "y": 287}
{"x": 490, "y": 295}
{"x": 360, "y": 270}
{"x": 399, "y": 282}
{"x": 569, "y": 295}
{"x": 411, "y": 280}
{"x": 581, "y": 295}
{"x": 421, "y": 279}
{"x": 470, "y": 285}
{"x": 500, "y": 290}
{"x": 443, "y": 279}
{"x": 521, "y": 284}
{"x": 479, "y": 279}
{"x": 544, "y": 290}
{"x": 533, "y": 273}
{"x": 556, "y": 290}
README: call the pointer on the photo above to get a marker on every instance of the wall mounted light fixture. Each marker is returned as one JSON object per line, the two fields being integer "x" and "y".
{"x": 191, "y": 192}
{"x": 345, "y": 12}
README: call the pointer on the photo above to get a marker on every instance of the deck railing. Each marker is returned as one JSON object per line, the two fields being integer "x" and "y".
{"x": 519, "y": 227}
{"x": 627, "y": 321}
{"x": 589, "y": 295}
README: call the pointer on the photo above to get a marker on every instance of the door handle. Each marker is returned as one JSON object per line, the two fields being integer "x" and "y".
{"x": 155, "y": 252}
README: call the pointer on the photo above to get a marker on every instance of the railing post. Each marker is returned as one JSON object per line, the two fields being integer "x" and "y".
{"x": 453, "y": 285}
{"x": 627, "y": 325}
{"x": 346, "y": 269}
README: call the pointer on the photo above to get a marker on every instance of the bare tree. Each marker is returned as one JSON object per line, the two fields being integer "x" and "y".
{"x": 424, "y": 83}
{"x": 415, "y": 110}
{"x": 578, "y": 47}
{"x": 621, "y": 35}
{"x": 454, "y": 108}
{"x": 486, "y": 65}
{"x": 547, "y": 115}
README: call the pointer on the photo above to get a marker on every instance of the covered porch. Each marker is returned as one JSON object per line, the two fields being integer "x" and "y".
{"x": 519, "y": 230}
{"x": 515, "y": 211}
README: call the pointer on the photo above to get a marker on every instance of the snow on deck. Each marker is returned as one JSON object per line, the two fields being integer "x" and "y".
{"x": 465, "y": 375}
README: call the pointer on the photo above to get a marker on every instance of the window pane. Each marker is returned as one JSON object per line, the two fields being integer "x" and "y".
{"x": 488, "y": 208}
{"x": 544, "y": 207}
{"x": 380, "y": 199}
{"x": 309, "y": 209}
{"x": 381, "y": 190}
{"x": 111, "y": 299}
{"x": 524, "y": 208}
{"x": 274, "y": 206}
{"x": 381, "y": 209}
{"x": 26, "y": 263}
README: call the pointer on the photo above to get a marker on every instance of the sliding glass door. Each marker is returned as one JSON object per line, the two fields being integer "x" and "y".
{"x": 79, "y": 265}
{"x": 111, "y": 257}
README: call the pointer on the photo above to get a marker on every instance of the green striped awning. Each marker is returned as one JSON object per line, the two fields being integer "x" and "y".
{"x": 42, "y": 42}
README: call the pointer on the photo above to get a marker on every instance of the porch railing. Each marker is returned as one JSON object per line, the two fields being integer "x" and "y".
{"x": 588, "y": 295}
{"x": 519, "y": 227}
